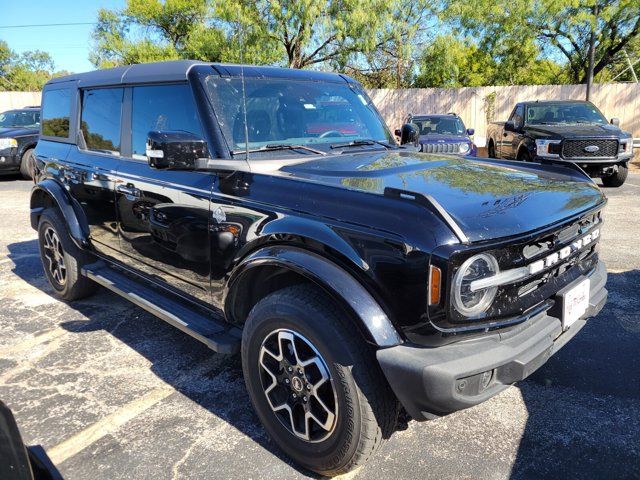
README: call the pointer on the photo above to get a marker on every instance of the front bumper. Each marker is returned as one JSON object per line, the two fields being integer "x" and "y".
{"x": 430, "y": 382}
{"x": 9, "y": 159}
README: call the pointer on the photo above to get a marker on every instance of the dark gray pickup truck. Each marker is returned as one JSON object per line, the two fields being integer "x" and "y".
{"x": 564, "y": 131}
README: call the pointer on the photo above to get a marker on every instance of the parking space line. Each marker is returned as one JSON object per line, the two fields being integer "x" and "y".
{"x": 33, "y": 341}
{"x": 107, "y": 425}
{"x": 112, "y": 422}
{"x": 18, "y": 257}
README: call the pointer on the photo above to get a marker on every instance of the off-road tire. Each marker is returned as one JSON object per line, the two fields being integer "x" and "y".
{"x": 367, "y": 410}
{"x": 618, "y": 178}
{"x": 26, "y": 164}
{"x": 75, "y": 286}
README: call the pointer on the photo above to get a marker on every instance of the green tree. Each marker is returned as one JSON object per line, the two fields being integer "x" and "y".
{"x": 28, "y": 71}
{"x": 400, "y": 38}
{"x": 295, "y": 33}
{"x": 519, "y": 29}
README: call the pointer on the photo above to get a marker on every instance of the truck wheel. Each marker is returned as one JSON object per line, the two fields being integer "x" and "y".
{"x": 491, "y": 150}
{"x": 26, "y": 164}
{"x": 62, "y": 259}
{"x": 314, "y": 382}
{"x": 618, "y": 178}
{"x": 524, "y": 155}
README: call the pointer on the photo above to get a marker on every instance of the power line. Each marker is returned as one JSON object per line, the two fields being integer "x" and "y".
{"x": 48, "y": 25}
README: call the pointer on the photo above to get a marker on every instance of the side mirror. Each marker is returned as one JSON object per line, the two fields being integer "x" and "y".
{"x": 615, "y": 121}
{"x": 397, "y": 132}
{"x": 470, "y": 131}
{"x": 409, "y": 134}
{"x": 509, "y": 126}
{"x": 175, "y": 150}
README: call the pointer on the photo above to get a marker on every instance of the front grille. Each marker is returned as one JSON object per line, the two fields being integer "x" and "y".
{"x": 513, "y": 299}
{"x": 441, "y": 147}
{"x": 576, "y": 148}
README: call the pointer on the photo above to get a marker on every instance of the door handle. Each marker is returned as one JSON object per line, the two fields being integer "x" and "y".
{"x": 129, "y": 190}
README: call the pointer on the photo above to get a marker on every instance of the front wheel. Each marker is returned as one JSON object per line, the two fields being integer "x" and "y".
{"x": 524, "y": 155}
{"x": 314, "y": 382}
{"x": 617, "y": 178}
{"x": 26, "y": 164}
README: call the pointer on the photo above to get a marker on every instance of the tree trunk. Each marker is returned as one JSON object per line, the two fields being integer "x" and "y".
{"x": 592, "y": 52}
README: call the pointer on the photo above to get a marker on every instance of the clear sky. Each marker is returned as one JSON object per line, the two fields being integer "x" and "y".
{"x": 69, "y": 46}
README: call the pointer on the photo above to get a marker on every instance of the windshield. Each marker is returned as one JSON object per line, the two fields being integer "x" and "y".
{"x": 556, "y": 113}
{"x": 439, "y": 125}
{"x": 20, "y": 118}
{"x": 293, "y": 112}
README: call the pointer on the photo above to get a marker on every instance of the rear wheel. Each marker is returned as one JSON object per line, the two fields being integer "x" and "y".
{"x": 314, "y": 382}
{"x": 491, "y": 150}
{"x": 26, "y": 164}
{"x": 617, "y": 178}
{"x": 62, "y": 259}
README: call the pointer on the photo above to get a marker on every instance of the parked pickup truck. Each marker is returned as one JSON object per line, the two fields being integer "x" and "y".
{"x": 564, "y": 131}
{"x": 270, "y": 212}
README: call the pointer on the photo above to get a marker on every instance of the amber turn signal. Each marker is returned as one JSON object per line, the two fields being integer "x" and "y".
{"x": 435, "y": 275}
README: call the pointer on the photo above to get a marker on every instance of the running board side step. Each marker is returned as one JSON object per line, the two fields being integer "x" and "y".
{"x": 214, "y": 332}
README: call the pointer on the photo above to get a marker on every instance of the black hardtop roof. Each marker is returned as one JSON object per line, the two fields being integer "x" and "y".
{"x": 177, "y": 70}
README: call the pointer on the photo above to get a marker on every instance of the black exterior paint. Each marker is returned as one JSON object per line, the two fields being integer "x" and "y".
{"x": 511, "y": 144}
{"x": 196, "y": 232}
{"x": 26, "y": 138}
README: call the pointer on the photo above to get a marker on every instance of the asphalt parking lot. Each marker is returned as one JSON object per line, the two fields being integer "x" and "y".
{"x": 111, "y": 392}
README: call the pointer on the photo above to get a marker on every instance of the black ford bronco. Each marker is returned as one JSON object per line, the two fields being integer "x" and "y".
{"x": 270, "y": 212}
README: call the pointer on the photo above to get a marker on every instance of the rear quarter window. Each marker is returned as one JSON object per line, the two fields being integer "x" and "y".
{"x": 56, "y": 110}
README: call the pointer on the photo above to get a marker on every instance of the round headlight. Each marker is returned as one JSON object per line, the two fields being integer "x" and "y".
{"x": 465, "y": 301}
{"x": 465, "y": 147}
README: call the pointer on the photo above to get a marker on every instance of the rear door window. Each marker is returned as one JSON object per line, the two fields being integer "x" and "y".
{"x": 100, "y": 121}
{"x": 56, "y": 110}
{"x": 161, "y": 108}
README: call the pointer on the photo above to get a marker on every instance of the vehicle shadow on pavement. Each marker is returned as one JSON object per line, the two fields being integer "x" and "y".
{"x": 212, "y": 381}
{"x": 584, "y": 403}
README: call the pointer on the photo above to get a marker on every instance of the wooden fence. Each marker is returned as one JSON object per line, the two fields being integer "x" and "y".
{"x": 479, "y": 105}
{"x": 9, "y": 100}
{"x": 476, "y": 105}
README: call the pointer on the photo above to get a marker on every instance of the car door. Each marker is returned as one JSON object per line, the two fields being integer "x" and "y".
{"x": 89, "y": 169}
{"x": 511, "y": 139}
{"x": 163, "y": 215}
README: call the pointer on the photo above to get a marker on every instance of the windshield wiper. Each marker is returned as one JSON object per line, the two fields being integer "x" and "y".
{"x": 279, "y": 146}
{"x": 358, "y": 143}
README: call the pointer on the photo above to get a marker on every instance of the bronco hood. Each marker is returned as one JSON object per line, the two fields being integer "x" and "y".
{"x": 487, "y": 198}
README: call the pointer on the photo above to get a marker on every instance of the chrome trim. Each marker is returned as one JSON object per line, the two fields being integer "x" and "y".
{"x": 449, "y": 219}
{"x": 550, "y": 260}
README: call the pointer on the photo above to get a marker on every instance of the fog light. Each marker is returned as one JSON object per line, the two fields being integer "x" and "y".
{"x": 485, "y": 380}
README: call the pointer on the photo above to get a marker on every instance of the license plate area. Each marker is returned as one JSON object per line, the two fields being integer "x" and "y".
{"x": 575, "y": 302}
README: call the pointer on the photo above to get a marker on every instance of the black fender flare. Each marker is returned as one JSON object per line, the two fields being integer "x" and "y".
{"x": 49, "y": 193}
{"x": 328, "y": 276}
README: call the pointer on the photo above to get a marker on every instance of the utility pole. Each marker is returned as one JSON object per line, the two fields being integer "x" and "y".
{"x": 592, "y": 51}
